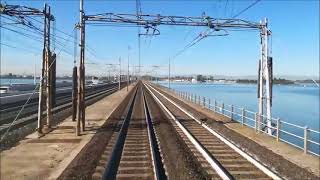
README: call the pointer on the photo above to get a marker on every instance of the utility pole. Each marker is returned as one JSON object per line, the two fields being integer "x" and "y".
{"x": 74, "y": 79}
{"x": 42, "y": 75}
{"x": 35, "y": 71}
{"x": 138, "y": 13}
{"x": 45, "y": 76}
{"x": 48, "y": 64}
{"x": 169, "y": 78}
{"x": 20, "y": 12}
{"x": 150, "y": 21}
{"x": 265, "y": 78}
{"x": 81, "y": 75}
{"x": 128, "y": 76}
{"x": 119, "y": 73}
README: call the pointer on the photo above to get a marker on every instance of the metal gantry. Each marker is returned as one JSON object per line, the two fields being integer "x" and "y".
{"x": 216, "y": 24}
{"x": 47, "y": 79}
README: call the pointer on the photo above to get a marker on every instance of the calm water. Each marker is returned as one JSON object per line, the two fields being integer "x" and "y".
{"x": 296, "y": 104}
{"x": 16, "y": 81}
{"x": 23, "y": 81}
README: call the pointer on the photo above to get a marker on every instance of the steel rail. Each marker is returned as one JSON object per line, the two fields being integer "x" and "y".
{"x": 114, "y": 161}
{"x": 213, "y": 162}
{"x": 159, "y": 171}
{"x": 256, "y": 163}
{"x": 33, "y": 117}
{"x": 29, "y": 109}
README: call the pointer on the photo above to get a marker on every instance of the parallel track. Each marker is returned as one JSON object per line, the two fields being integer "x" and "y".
{"x": 30, "y": 115}
{"x": 9, "y": 112}
{"x": 219, "y": 157}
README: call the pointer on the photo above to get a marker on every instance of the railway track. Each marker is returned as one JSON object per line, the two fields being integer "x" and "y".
{"x": 9, "y": 111}
{"x": 133, "y": 151}
{"x": 218, "y": 157}
{"x": 64, "y": 103}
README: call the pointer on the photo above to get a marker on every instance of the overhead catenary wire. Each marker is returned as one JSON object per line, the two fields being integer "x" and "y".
{"x": 29, "y": 98}
{"x": 38, "y": 30}
{"x": 201, "y": 36}
{"x": 33, "y": 36}
{"x": 20, "y": 48}
{"x": 88, "y": 48}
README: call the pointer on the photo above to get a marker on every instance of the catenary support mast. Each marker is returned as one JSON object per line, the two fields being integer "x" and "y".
{"x": 47, "y": 77}
{"x": 81, "y": 75}
{"x": 150, "y": 21}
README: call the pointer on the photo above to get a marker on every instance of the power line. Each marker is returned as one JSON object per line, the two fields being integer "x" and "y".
{"x": 201, "y": 36}
{"x": 30, "y": 36}
{"x": 15, "y": 47}
{"x": 245, "y": 9}
{"x": 36, "y": 31}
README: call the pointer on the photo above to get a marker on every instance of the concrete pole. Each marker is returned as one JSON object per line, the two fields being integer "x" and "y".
{"x": 83, "y": 76}
{"x": 128, "y": 70}
{"x": 266, "y": 69}
{"x": 49, "y": 79}
{"x": 42, "y": 76}
{"x": 119, "y": 73}
{"x": 74, "y": 92}
{"x": 34, "y": 73}
{"x": 139, "y": 46}
{"x": 169, "y": 78}
{"x": 260, "y": 84}
{"x": 40, "y": 104}
{"x": 80, "y": 104}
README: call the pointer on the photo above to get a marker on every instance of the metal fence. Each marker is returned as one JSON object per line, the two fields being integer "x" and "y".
{"x": 304, "y": 138}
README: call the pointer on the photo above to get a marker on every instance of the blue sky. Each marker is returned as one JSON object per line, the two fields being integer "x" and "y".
{"x": 294, "y": 24}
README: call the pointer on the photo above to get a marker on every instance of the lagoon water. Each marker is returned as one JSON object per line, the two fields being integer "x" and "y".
{"x": 16, "y": 81}
{"x": 292, "y": 103}
{"x": 297, "y": 104}
{"x": 6, "y": 81}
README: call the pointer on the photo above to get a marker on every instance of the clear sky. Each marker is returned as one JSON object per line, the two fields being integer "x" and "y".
{"x": 294, "y": 25}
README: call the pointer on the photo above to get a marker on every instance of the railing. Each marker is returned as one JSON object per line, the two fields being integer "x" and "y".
{"x": 303, "y": 138}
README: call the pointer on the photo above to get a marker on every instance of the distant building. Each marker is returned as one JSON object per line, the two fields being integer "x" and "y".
{"x": 200, "y": 78}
